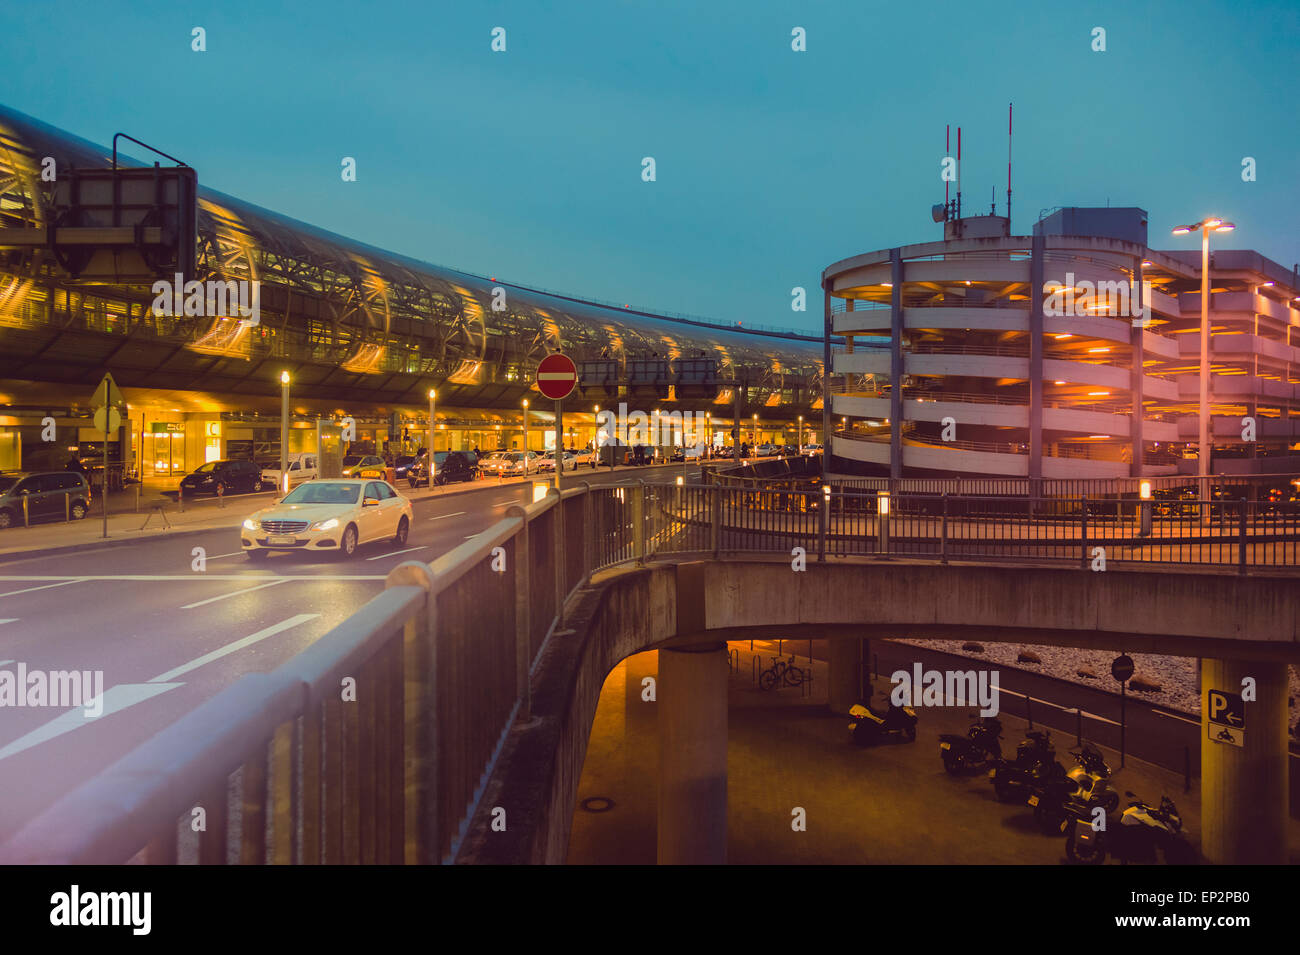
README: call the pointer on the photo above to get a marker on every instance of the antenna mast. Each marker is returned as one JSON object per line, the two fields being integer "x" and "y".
{"x": 958, "y": 172}
{"x": 1009, "y": 105}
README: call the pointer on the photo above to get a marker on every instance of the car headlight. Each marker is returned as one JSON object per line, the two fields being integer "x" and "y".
{"x": 250, "y": 524}
{"x": 329, "y": 525}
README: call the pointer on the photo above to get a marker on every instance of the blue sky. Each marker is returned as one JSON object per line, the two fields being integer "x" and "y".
{"x": 771, "y": 164}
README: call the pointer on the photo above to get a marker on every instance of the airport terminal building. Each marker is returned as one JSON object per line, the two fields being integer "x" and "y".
{"x": 362, "y": 333}
{"x": 1074, "y": 352}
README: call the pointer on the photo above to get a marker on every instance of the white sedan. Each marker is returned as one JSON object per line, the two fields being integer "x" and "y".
{"x": 329, "y": 515}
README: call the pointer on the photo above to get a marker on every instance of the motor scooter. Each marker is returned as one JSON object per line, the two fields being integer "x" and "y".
{"x": 979, "y": 748}
{"x": 872, "y": 726}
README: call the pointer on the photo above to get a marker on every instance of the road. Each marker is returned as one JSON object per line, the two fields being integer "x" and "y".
{"x": 168, "y": 635}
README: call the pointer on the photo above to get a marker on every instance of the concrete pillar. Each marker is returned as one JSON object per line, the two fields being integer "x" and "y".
{"x": 847, "y": 658}
{"x": 693, "y": 755}
{"x": 1244, "y": 789}
{"x": 896, "y": 364}
{"x": 1037, "y": 271}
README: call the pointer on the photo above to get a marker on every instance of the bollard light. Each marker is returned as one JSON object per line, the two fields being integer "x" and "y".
{"x": 826, "y": 493}
{"x": 680, "y": 480}
{"x": 539, "y": 490}
{"x": 882, "y": 503}
{"x": 1144, "y": 490}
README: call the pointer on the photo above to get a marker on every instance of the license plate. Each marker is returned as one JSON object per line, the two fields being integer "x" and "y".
{"x": 945, "y": 745}
{"x": 280, "y": 539}
{"x": 1033, "y": 800}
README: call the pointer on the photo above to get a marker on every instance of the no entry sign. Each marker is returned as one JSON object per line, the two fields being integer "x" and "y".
{"x": 556, "y": 377}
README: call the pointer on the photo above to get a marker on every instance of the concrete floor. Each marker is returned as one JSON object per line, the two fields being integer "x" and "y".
{"x": 892, "y": 804}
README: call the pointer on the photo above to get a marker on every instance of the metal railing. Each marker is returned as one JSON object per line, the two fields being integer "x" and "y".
{"x": 375, "y": 744}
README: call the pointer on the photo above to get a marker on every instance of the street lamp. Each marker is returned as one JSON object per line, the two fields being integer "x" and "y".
{"x": 800, "y": 441}
{"x": 433, "y": 395}
{"x": 284, "y": 430}
{"x": 1206, "y": 226}
{"x": 525, "y": 436}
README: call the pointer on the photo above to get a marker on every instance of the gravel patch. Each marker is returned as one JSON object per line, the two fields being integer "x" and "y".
{"x": 1176, "y": 676}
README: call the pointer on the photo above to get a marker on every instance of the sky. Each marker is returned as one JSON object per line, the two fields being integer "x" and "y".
{"x": 770, "y": 164}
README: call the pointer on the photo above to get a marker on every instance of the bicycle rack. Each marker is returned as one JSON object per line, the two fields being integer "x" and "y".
{"x": 733, "y": 659}
{"x": 805, "y": 688}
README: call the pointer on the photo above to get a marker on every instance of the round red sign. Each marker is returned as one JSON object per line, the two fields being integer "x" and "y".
{"x": 557, "y": 376}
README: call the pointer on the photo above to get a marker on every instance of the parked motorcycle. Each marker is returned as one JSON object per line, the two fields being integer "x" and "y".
{"x": 976, "y": 750}
{"x": 1142, "y": 830}
{"x": 1058, "y": 797}
{"x": 872, "y": 726}
{"x": 1035, "y": 759}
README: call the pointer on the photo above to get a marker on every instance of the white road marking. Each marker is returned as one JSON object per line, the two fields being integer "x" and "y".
{"x": 1093, "y": 716}
{"x": 230, "y": 648}
{"x": 220, "y": 556}
{"x": 1173, "y": 717}
{"x": 237, "y": 593}
{"x": 189, "y": 578}
{"x": 504, "y": 503}
{"x": 470, "y": 537}
{"x": 8, "y": 619}
{"x": 396, "y": 552}
{"x": 441, "y": 516}
{"x": 75, "y": 580}
{"x": 5, "y": 662}
{"x": 116, "y": 699}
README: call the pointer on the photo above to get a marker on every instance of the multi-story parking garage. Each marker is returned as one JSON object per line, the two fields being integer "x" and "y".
{"x": 362, "y": 332}
{"x": 1074, "y": 352}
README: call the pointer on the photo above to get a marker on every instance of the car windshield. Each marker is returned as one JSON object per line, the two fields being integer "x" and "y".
{"x": 323, "y": 492}
{"x": 204, "y": 468}
{"x": 351, "y": 459}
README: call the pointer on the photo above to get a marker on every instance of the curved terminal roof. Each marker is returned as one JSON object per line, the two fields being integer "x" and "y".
{"x": 350, "y": 318}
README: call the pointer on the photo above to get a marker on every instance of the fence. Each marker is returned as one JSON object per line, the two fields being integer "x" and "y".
{"x": 374, "y": 744}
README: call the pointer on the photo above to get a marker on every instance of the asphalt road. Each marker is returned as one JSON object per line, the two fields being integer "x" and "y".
{"x": 168, "y": 636}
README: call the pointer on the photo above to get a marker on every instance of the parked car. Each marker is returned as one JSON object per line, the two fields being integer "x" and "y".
{"x": 812, "y": 450}
{"x": 403, "y": 463}
{"x": 676, "y": 455}
{"x": 50, "y": 496}
{"x": 223, "y": 477}
{"x": 448, "y": 466}
{"x": 787, "y": 451}
{"x": 354, "y": 464}
{"x": 329, "y": 515}
{"x": 511, "y": 463}
{"x": 547, "y": 461}
{"x": 588, "y": 456}
{"x": 302, "y": 467}
{"x": 766, "y": 450}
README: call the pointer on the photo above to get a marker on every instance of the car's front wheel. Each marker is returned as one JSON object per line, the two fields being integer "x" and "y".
{"x": 78, "y": 510}
{"x": 403, "y": 531}
{"x": 348, "y": 545}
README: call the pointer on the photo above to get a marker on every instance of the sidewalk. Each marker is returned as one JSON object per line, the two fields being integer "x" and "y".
{"x": 159, "y": 508}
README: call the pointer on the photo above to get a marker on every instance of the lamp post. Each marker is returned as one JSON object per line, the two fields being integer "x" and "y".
{"x": 284, "y": 431}
{"x": 1203, "y": 455}
{"x": 800, "y": 441}
{"x": 755, "y": 431}
{"x": 525, "y": 436}
{"x": 433, "y": 395}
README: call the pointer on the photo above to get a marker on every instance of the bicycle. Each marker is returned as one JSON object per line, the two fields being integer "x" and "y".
{"x": 782, "y": 673}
